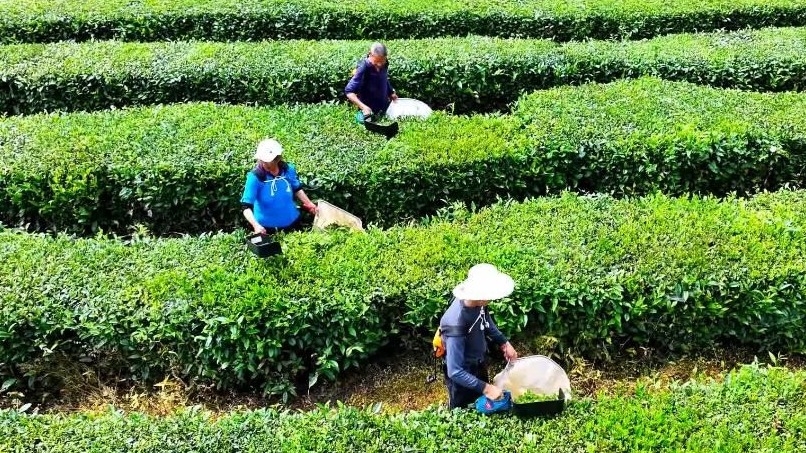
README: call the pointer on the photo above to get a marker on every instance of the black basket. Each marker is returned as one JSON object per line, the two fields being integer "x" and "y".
{"x": 540, "y": 408}
{"x": 264, "y": 247}
{"x": 388, "y": 130}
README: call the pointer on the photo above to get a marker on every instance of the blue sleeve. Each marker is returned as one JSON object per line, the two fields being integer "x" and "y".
{"x": 250, "y": 190}
{"x": 455, "y": 353}
{"x": 496, "y": 334}
{"x": 293, "y": 178}
{"x": 389, "y": 86}
{"x": 355, "y": 82}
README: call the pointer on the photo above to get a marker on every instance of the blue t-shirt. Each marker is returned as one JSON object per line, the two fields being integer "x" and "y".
{"x": 273, "y": 198}
{"x": 371, "y": 85}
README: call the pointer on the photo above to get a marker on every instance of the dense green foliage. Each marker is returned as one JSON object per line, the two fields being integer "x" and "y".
{"x": 182, "y": 168}
{"x": 634, "y": 137}
{"x": 228, "y": 20}
{"x": 596, "y": 273}
{"x": 753, "y": 409}
{"x": 468, "y": 74}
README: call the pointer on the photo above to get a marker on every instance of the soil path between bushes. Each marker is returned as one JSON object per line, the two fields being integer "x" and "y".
{"x": 397, "y": 382}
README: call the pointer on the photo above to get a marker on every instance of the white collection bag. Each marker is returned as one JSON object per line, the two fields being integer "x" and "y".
{"x": 537, "y": 373}
{"x": 408, "y": 107}
{"x": 328, "y": 214}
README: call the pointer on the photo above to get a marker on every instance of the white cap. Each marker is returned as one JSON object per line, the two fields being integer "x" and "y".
{"x": 484, "y": 282}
{"x": 268, "y": 149}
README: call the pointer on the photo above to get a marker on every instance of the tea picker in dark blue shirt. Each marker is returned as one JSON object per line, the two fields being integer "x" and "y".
{"x": 369, "y": 88}
{"x": 464, "y": 328}
{"x": 268, "y": 197}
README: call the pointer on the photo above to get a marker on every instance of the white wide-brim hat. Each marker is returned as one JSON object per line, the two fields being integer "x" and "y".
{"x": 268, "y": 149}
{"x": 484, "y": 282}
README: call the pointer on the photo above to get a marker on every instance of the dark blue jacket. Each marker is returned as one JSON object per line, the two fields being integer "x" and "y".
{"x": 371, "y": 85}
{"x": 464, "y": 332}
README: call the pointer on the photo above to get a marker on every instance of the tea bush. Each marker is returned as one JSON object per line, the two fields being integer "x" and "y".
{"x": 472, "y": 74}
{"x": 677, "y": 274}
{"x": 230, "y": 20}
{"x": 182, "y": 168}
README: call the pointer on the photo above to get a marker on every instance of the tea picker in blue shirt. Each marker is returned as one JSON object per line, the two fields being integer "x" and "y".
{"x": 268, "y": 198}
{"x": 369, "y": 87}
{"x": 464, "y": 329}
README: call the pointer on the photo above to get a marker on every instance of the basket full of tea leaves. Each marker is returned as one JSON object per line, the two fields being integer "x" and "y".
{"x": 532, "y": 404}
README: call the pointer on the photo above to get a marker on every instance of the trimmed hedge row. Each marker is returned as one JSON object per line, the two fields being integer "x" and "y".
{"x": 753, "y": 409}
{"x": 230, "y": 20}
{"x": 596, "y": 273}
{"x": 470, "y": 74}
{"x": 182, "y": 168}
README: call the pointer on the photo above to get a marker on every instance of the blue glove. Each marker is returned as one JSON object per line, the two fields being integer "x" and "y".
{"x": 487, "y": 406}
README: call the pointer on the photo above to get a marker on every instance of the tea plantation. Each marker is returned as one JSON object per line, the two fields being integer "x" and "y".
{"x": 638, "y": 167}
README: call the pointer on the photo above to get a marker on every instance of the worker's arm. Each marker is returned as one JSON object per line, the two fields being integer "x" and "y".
{"x": 363, "y": 107}
{"x": 306, "y": 202}
{"x": 250, "y": 217}
{"x": 494, "y": 332}
{"x": 392, "y": 92}
{"x": 296, "y": 186}
{"x": 248, "y": 202}
{"x": 455, "y": 354}
{"x": 353, "y": 86}
{"x": 499, "y": 339}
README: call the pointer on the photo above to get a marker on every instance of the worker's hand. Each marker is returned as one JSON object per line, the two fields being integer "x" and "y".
{"x": 509, "y": 352}
{"x": 366, "y": 111}
{"x": 393, "y": 97}
{"x": 310, "y": 207}
{"x": 259, "y": 229}
{"x": 492, "y": 392}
